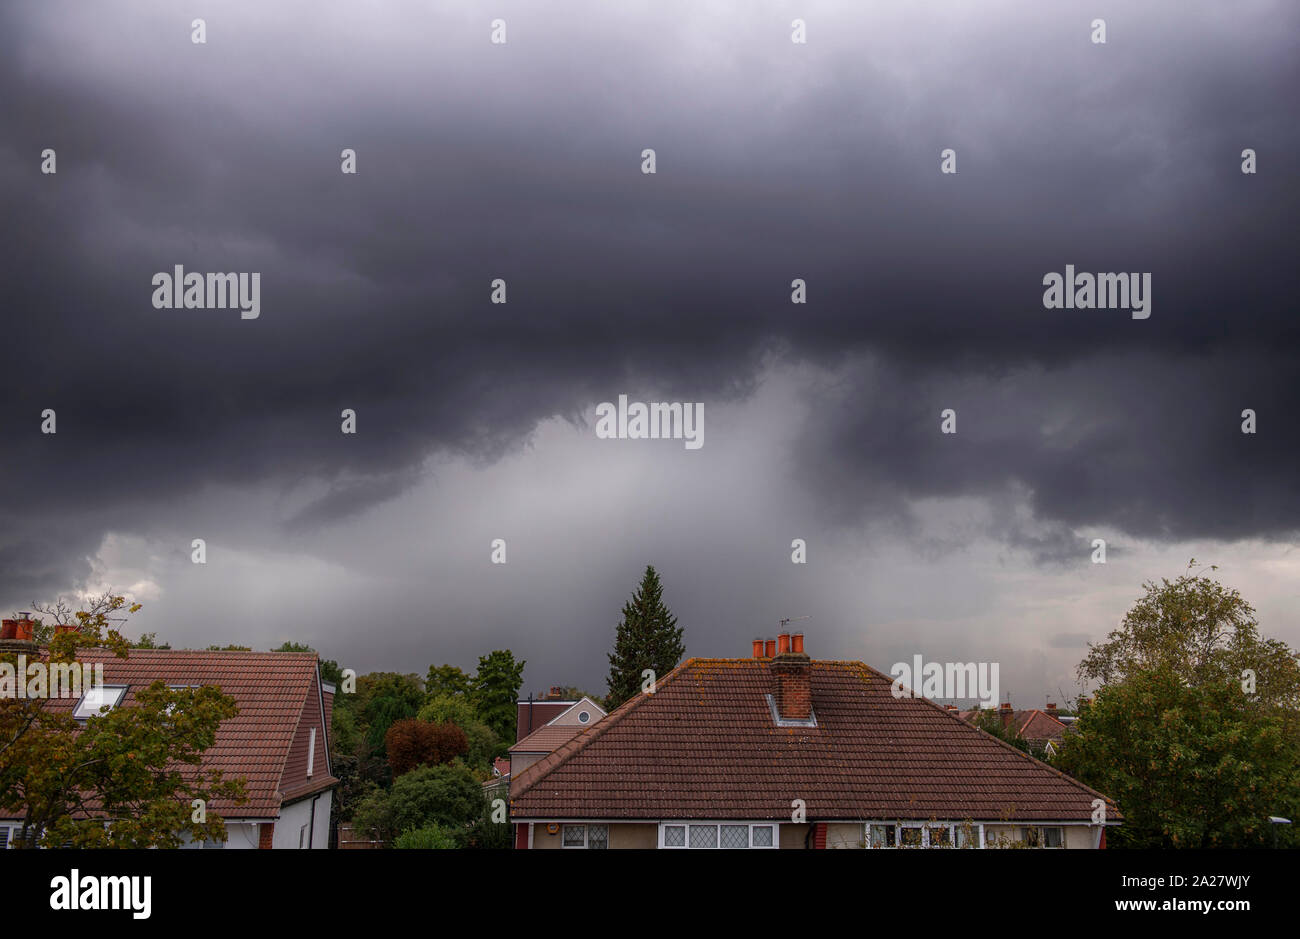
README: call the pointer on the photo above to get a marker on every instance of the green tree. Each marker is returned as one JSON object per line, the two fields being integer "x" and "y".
{"x": 647, "y": 638}
{"x": 344, "y": 738}
{"x": 329, "y": 669}
{"x": 1195, "y": 730}
{"x": 149, "y": 641}
{"x": 385, "y": 697}
{"x": 139, "y": 767}
{"x": 1189, "y": 766}
{"x": 484, "y": 744}
{"x": 486, "y": 832}
{"x": 447, "y": 795}
{"x": 990, "y": 721}
{"x": 435, "y": 837}
{"x": 460, "y": 711}
{"x": 447, "y": 680}
{"x": 361, "y": 722}
{"x": 1204, "y": 633}
{"x": 496, "y": 691}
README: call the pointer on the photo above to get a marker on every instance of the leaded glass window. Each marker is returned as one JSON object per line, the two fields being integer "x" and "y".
{"x": 704, "y": 836}
{"x": 735, "y": 836}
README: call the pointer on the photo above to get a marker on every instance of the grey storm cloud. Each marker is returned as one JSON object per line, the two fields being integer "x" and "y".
{"x": 523, "y": 162}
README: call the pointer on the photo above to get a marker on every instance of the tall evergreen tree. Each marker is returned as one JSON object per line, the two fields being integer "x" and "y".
{"x": 648, "y": 637}
{"x": 496, "y": 689}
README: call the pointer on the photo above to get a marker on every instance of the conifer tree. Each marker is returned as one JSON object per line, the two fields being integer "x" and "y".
{"x": 647, "y": 638}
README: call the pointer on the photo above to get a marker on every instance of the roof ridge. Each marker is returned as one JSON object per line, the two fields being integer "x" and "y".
{"x": 1054, "y": 718}
{"x": 578, "y": 743}
{"x": 529, "y": 778}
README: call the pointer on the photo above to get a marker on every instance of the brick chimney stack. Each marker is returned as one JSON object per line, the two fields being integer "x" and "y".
{"x": 23, "y": 628}
{"x": 792, "y": 681}
{"x": 18, "y": 634}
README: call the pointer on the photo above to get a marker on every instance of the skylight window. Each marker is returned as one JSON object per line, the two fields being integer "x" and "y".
{"x": 99, "y": 699}
{"x": 171, "y": 708}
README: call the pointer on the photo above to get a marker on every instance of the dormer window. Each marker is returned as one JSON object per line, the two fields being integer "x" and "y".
{"x": 98, "y": 700}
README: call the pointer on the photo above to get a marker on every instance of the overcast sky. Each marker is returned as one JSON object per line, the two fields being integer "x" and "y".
{"x": 475, "y": 420}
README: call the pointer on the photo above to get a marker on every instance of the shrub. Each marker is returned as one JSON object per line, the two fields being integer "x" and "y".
{"x": 433, "y": 837}
{"x": 447, "y": 796}
{"x": 485, "y": 833}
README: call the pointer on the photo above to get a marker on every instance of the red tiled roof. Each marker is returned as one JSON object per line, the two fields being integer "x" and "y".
{"x": 545, "y": 739}
{"x": 1035, "y": 726}
{"x": 1038, "y": 727}
{"x": 705, "y": 746}
{"x": 274, "y": 691}
{"x": 534, "y": 714}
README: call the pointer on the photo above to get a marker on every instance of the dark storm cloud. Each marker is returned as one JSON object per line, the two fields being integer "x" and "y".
{"x": 522, "y": 162}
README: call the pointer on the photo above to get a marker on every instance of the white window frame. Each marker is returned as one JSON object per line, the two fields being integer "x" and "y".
{"x": 717, "y": 824}
{"x": 15, "y": 830}
{"x": 97, "y": 712}
{"x": 1042, "y": 837}
{"x": 586, "y": 834}
{"x": 920, "y": 827}
{"x": 311, "y": 753}
{"x": 977, "y": 835}
{"x": 171, "y": 708}
{"x": 866, "y": 832}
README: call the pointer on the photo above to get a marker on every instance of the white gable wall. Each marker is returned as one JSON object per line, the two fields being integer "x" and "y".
{"x": 289, "y": 827}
